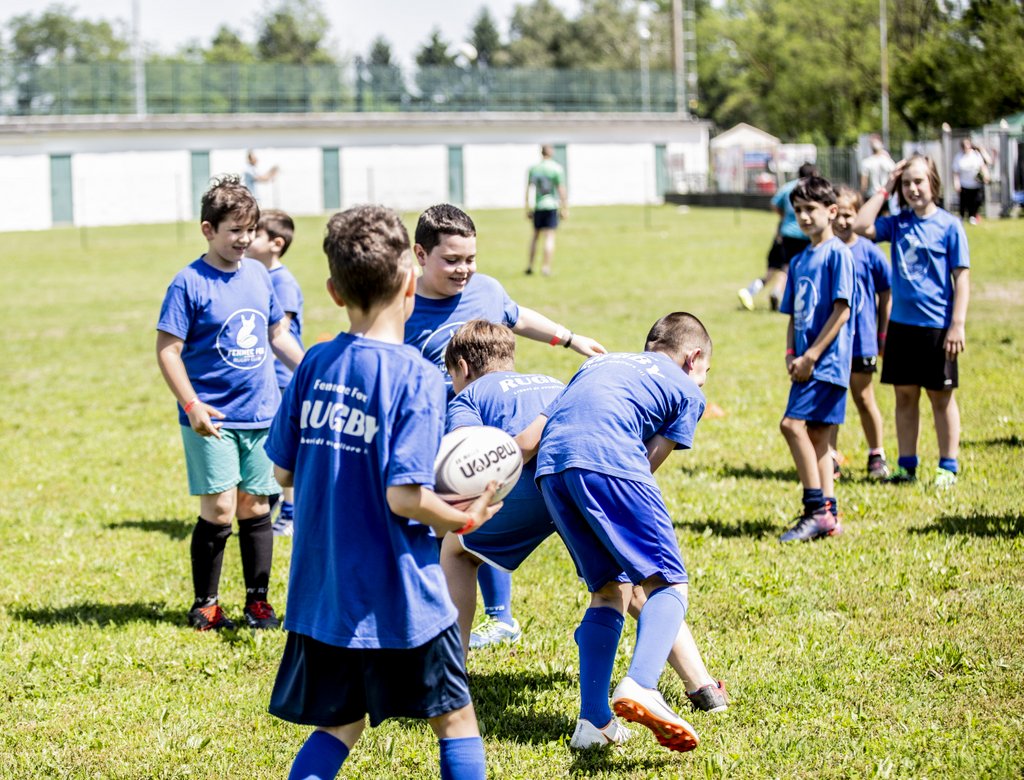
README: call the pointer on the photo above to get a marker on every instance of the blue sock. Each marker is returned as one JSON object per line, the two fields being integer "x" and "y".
{"x": 320, "y": 758}
{"x": 814, "y": 499}
{"x": 598, "y": 639}
{"x": 949, "y": 464}
{"x": 657, "y": 627}
{"x": 287, "y": 510}
{"x": 833, "y": 505}
{"x": 462, "y": 758}
{"x": 908, "y": 462}
{"x": 496, "y": 588}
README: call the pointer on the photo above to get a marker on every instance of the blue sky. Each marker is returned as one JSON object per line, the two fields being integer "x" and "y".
{"x": 405, "y": 23}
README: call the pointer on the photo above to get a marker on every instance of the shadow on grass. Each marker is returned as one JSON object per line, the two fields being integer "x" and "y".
{"x": 587, "y": 763}
{"x": 102, "y": 615}
{"x": 176, "y": 529}
{"x": 1008, "y": 526}
{"x": 746, "y": 471}
{"x": 1012, "y": 440}
{"x": 498, "y": 695}
{"x": 757, "y": 529}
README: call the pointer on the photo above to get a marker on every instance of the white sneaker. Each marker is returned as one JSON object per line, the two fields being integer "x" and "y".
{"x": 493, "y": 632}
{"x": 746, "y": 298}
{"x": 647, "y": 707}
{"x": 587, "y": 735}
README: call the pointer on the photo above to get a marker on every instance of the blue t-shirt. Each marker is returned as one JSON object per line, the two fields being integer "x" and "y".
{"x": 789, "y": 227}
{"x": 289, "y": 295}
{"x": 612, "y": 406}
{"x": 435, "y": 320}
{"x": 510, "y": 401}
{"x": 924, "y": 254}
{"x": 223, "y": 319}
{"x": 871, "y": 273}
{"x": 359, "y": 416}
{"x": 818, "y": 277}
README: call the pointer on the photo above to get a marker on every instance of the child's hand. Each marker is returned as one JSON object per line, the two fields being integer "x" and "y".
{"x": 895, "y": 177}
{"x": 586, "y": 346}
{"x": 800, "y": 369}
{"x": 955, "y": 338}
{"x": 200, "y": 418}
{"x": 482, "y": 510}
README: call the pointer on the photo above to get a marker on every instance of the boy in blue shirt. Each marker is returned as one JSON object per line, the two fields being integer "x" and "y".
{"x": 449, "y": 293}
{"x": 614, "y": 424}
{"x": 274, "y": 234}
{"x": 871, "y": 319}
{"x": 820, "y": 293}
{"x": 371, "y": 628}
{"x": 219, "y": 322}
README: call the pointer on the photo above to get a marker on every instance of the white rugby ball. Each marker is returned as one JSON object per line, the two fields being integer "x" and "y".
{"x": 472, "y": 456}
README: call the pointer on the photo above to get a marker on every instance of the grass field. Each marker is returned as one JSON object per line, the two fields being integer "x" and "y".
{"x": 892, "y": 651}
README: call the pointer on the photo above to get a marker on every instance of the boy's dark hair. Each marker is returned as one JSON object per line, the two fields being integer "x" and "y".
{"x": 678, "y": 332}
{"x": 367, "y": 250}
{"x": 442, "y": 219}
{"x": 807, "y": 169}
{"x": 228, "y": 196}
{"x": 814, "y": 189}
{"x": 277, "y": 224}
{"x": 933, "y": 178}
{"x": 843, "y": 192}
{"x": 484, "y": 346}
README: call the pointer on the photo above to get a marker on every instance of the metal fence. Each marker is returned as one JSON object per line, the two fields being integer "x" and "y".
{"x": 180, "y": 88}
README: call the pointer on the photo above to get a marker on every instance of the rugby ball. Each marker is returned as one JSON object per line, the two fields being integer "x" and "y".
{"x": 472, "y": 456}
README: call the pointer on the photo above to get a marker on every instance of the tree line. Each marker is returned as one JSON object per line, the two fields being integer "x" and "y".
{"x": 799, "y": 69}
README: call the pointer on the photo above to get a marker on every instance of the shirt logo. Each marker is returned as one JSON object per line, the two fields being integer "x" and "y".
{"x": 804, "y": 303}
{"x": 913, "y": 261}
{"x": 242, "y": 340}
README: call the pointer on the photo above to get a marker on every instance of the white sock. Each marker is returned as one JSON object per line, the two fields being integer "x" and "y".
{"x": 755, "y": 286}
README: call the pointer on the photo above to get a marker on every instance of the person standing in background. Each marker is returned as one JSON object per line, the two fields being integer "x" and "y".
{"x": 547, "y": 180}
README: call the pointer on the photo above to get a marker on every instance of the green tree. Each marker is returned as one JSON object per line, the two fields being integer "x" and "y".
{"x": 294, "y": 32}
{"x": 537, "y": 34}
{"x": 485, "y": 36}
{"x": 434, "y": 53}
{"x": 55, "y": 36}
{"x": 227, "y": 46}
{"x": 380, "y": 52}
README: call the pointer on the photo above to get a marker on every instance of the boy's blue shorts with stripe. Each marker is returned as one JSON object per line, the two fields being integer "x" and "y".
{"x": 508, "y": 538}
{"x": 613, "y": 525}
{"x": 815, "y": 401}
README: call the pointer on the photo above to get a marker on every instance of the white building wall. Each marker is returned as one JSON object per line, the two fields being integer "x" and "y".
{"x": 496, "y": 174}
{"x": 407, "y": 178}
{"x": 605, "y": 174}
{"x": 297, "y": 188}
{"x": 131, "y": 187}
{"x": 25, "y": 192}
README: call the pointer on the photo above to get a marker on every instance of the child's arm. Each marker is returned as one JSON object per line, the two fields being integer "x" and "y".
{"x": 884, "y": 310}
{"x": 534, "y": 325}
{"x": 168, "y": 356}
{"x": 422, "y": 505}
{"x": 658, "y": 449}
{"x": 528, "y": 439}
{"x": 284, "y": 345}
{"x": 802, "y": 366}
{"x": 790, "y": 347}
{"x": 864, "y": 224}
{"x": 956, "y": 333}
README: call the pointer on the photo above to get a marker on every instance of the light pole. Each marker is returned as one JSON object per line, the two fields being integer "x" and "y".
{"x": 643, "y": 31}
{"x": 883, "y": 34}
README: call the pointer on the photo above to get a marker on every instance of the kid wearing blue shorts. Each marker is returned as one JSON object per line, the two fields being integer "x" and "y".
{"x": 371, "y": 628}
{"x": 449, "y": 293}
{"x": 274, "y": 234}
{"x": 615, "y": 423}
{"x": 218, "y": 325}
{"x": 819, "y": 295}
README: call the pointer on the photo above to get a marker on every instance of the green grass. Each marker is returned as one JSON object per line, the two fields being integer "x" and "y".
{"x": 892, "y": 651}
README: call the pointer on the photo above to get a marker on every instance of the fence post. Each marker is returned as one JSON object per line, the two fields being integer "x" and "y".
{"x": 947, "y": 162}
{"x": 1005, "y": 172}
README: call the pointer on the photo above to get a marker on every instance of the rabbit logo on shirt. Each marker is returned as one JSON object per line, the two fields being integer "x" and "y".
{"x": 804, "y": 303}
{"x": 242, "y": 341}
{"x": 913, "y": 258}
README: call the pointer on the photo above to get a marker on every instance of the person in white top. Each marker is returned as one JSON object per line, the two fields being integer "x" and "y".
{"x": 970, "y": 175}
{"x": 875, "y": 169}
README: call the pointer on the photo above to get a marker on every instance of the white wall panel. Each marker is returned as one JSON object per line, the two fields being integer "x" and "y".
{"x": 131, "y": 187}
{"x": 408, "y": 178}
{"x": 496, "y": 174}
{"x": 603, "y": 174}
{"x": 25, "y": 192}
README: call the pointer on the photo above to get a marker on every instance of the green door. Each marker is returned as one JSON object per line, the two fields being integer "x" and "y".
{"x": 62, "y": 203}
{"x": 332, "y": 179}
{"x": 456, "y": 177}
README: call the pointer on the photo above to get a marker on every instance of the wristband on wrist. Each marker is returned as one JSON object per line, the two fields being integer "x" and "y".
{"x": 559, "y": 335}
{"x": 883, "y": 192}
{"x": 191, "y": 404}
{"x": 568, "y": 341}
{"x": 469, "y": 526}
{"x": 790, "y": 351}
{"x": 881, "y": 336}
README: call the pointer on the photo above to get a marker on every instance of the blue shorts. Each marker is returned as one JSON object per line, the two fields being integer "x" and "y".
{"x": 323, "y": 685}
{"x": 508, "y": 538}
{"x": 545, "y": 219}
{"x": 613, "y": 525}
{"x": 236, "y": 459}
{"x": 815, "y": 401}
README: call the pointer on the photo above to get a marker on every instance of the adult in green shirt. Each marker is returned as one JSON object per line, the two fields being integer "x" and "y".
{"x": 547, "y": 182}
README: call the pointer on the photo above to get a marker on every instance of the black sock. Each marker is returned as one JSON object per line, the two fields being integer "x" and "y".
{"x": 256, "y": 543}
{"x": 814, "y": 500}
{"x": 208, "y": 540}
